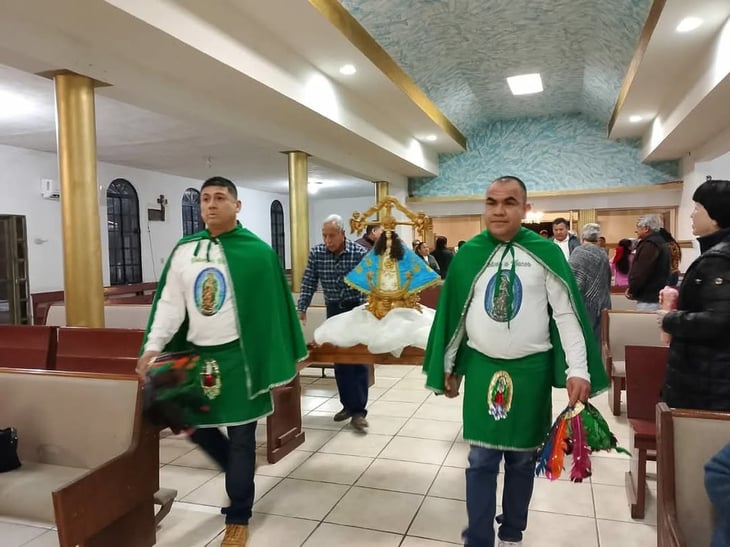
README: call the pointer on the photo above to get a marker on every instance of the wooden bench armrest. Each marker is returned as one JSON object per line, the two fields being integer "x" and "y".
{"x": 88, "y": 505}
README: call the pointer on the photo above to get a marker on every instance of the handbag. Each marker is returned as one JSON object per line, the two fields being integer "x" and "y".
{"x": 9, "y": 449}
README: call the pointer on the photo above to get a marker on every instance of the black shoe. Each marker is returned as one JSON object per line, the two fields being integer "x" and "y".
{"x": 342, "y": 415}
{"x": 359, "y": 423}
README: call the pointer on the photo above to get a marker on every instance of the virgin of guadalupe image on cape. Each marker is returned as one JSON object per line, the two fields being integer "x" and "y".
{"x": 392, "y": 276}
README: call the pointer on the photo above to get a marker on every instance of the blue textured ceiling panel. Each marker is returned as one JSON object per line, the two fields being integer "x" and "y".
{"x": 460, "y": 52}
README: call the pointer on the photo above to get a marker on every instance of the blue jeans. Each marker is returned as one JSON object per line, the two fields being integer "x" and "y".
{"x": 352, "y": 380}
{"x": 717, "y": 484}
{"x": 236, "y": 456}
{"x": 481, "y": 494}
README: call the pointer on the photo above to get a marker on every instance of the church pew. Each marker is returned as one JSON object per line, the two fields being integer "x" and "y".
{"x": 98, "y": 350}
{"x": 645, "y": 371}
{"x": 26, "y": 346}
{"x": 686, "y": 440}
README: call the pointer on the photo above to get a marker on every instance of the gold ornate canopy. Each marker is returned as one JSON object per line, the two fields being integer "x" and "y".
{"x": 384, "y": 295}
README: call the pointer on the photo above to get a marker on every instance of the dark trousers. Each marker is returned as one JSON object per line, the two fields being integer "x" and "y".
{"x": 352, "y": 379}
{"x": 236, "y": 456}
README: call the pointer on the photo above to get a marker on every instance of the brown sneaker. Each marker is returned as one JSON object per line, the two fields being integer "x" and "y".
{"x": 342, "y": 415}
{"x": 236, "y": 535}
{"x": 359, "y": 423}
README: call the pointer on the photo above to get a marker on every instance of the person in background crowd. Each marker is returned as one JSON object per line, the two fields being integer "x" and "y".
{"x": 621, "y": 263}
{"x": 650, "y": 269}
{"x": 544, "y": 233}
{"x": 698, "y": 370}
{"x": 443, "y": 255}
{"x": 593, "y": 275}
{"x": 602, "y": 244}
{"x": 563, "y": 238}
{"x": 675, "y": 257}
{"x": 717, "y": 484}
{"x": 328, "y": 264}
{"x": 458, "y": 245}
{"x": 422, "y": 250}
{"x": 371, "y": 235}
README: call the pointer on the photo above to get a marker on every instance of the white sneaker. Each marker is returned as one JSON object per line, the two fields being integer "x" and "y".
{"x": 509, "y": 543}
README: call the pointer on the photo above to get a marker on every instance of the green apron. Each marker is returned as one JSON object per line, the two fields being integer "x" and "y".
{"x": 507, "y": 402}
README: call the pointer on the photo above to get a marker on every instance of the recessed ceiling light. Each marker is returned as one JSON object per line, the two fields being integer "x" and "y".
{"x": 688, "y": 24}
{"x": 430, "y": 138}
{"x": 348, "y": 69}
{"x": 635, "y": 119}
{"x": 525, "y": 84}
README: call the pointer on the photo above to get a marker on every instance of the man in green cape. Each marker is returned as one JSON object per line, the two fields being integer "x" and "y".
{"x": 223, "y": 295}
{"x": 511, "y": 322}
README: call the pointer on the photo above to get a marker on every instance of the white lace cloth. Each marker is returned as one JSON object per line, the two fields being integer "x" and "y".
{"x": 400, "y": 328}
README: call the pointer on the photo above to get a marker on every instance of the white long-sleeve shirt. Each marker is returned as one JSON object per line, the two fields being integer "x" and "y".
{"x": 199, "y": 285}
{"x": 528, "y": 330}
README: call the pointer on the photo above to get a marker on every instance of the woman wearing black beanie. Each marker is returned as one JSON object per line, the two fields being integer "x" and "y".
{"x": 698, "y": 372}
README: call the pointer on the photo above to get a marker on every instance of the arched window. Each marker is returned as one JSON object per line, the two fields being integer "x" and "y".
{"x": 277, "y": 231}
{"x": 192, "y": 221}
{"x": 122, "y": 220}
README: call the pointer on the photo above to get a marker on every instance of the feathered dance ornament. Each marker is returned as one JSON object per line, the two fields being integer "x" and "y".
{"x": 577, "y": 431}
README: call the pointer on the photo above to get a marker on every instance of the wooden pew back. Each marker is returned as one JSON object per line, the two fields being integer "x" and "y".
{"x": 645, "y": 370}
{"x": 116, "y": 315}
{"x": 686, "y": 440}
{"x": 98, "y": 350}
{"x": 26, "y": 346}
{"x": 621, "y": 328}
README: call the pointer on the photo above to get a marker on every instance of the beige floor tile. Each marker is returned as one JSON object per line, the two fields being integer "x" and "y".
{"x": 385, "y": 383}
{"x": 46, "y": 539}
{"x": 332, "y": 405}
{"x": 356, "y": 444}
{"x": 383, "y": 425}
{"x": 412, "y": 383}
{"x": 375, "y": 393}
{"x": 318, "y": 419}
{"x": 171, "y": 449}
{"x": 551, "y": 496}
{"x": 15, "y": 535}
{"x": 416, "y": 372}
{"x": 313, "y": 390}
{"x": 314, "y": 439}
{"x": 389, "y": 408}
{"x": 611, "y": 471}
{"x": 183, "y": 527}
{"x": 444, "y": 413}
{"x": 450, "y": 483}
{"x": 184, "y": 479}
{"x": 376, "y": 510}
{"x": 415, "y": 478}
{"x": 312, "y": 403}
{"x": 196, "y": 458}
{"x": 458, "y": 456}
{"x": 440, "y": 519}
{"x": 337, "y": 468}
{"x": 213, "y": 492}
{"x": 405, "y": 395}
{"x": 305, "y": 380}
{"x": 335, "y": 535}
{"x": 430, "y": 429}
{"x": 393, "y": 371}
{"x": 612, "y": 504}
{"x": 411, "y": 449}
{"x": 626, "y": 534}
{"x": 283, "y": 467}
{"x": 550, "y": 529}
{"x": 273, "y": 530}
{"x": 301, "y": 499}
{"x": 329, "y": 382}
{"x": 411, "y": 541}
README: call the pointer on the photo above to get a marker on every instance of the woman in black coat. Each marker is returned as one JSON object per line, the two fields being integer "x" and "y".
{"x": 698, "y": 372}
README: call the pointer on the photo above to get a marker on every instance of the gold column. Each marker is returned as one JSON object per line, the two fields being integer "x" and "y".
{"x": 76, "y": 135}
{"x": 586, "y": 216}
{"x": 381, "y": 190}
{"x": 298, "y": 215}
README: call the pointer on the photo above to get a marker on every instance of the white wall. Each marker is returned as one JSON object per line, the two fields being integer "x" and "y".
{"x": 694, "y": 174}
{"x": 21, "y": 171}
{"x": 319, "y": 209}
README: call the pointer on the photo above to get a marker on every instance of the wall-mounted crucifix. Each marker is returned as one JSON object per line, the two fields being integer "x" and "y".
{"x": 158, "y": 214}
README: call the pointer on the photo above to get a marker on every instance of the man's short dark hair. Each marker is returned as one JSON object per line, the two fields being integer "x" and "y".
{"x": 518, "y": 180}
{"x": 370, "y": 227}
{"x": 223, "y": 183}
{"x": 561, "y": 220}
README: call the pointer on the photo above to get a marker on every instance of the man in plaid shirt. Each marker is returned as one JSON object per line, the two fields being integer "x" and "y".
{"x": 328, "y": 264}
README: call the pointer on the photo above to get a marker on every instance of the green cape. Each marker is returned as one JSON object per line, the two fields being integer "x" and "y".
{"x": 447, "y": 339}
{"x": 271, "y": 339}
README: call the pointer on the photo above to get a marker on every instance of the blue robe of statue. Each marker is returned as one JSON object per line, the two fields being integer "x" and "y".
{"x": 392, "y": 275}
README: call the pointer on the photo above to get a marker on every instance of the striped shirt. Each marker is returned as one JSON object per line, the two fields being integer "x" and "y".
{"x": 329, "y": 270}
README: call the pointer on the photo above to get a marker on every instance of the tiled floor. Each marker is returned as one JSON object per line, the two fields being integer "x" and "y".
{"x": 400, "y": 485}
